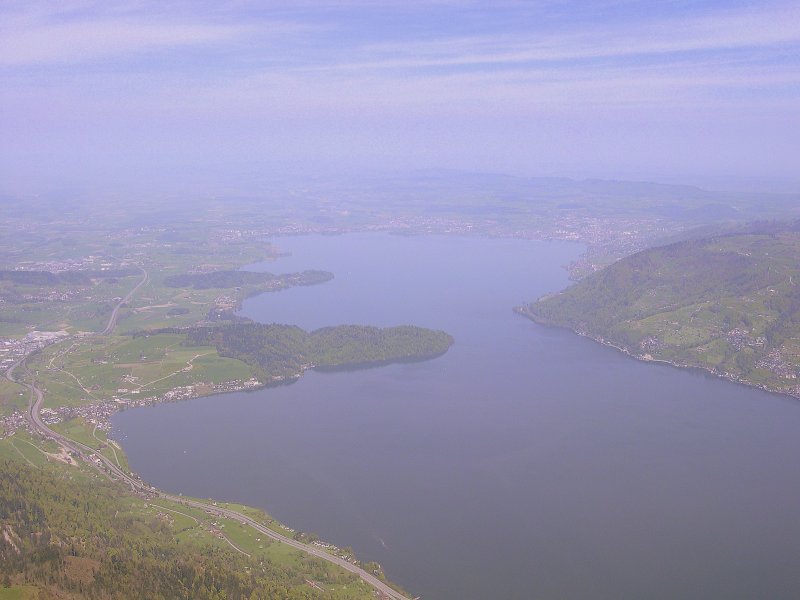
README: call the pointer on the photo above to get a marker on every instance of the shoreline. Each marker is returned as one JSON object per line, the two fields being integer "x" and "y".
{"x": 101, "y": 413}
{"x": 526, "y": 313}
{"x": 371, "y": 572}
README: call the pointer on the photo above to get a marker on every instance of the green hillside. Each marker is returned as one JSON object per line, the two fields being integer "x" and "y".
{"x": 729, "y": 304}
{"x": 67, "y": 534}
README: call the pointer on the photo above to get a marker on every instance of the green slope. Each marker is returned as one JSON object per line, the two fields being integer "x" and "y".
{"x": 729, "y": 304}
{"x": 67, "y": 534}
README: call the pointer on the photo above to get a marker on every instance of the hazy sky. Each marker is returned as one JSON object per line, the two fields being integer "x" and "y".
{"x": 108, "y": 94}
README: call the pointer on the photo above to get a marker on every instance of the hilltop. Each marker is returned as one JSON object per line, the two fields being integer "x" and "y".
{"x": 729, "y": 304}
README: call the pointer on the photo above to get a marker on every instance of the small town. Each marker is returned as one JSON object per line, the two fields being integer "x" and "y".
{"x": 14, "y": 349}
{"x": 98, "y": 414}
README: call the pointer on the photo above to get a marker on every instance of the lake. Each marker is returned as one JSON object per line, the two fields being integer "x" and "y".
{"x": 527, "y": 462}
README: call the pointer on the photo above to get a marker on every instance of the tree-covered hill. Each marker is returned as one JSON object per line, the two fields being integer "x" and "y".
{"x": 231, "y": 279}
{"x": 357, "y": 345}
{"x": 282, "y": 351}
{"x": 729, "y": 304}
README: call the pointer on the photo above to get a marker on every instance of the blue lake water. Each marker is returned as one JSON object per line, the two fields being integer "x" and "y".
{"x": 527, "y": 462}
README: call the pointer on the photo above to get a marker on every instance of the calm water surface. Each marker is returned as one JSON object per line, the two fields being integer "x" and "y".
{"x": 525, "y": 463}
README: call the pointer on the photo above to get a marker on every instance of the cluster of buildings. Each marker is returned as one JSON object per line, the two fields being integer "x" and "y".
{"x": 99, "y": 413}
{"x": 67, "y": 264}
{"x": 232, "y": 234}
{"x": 92, "y": 262}
{"x": 174, "y": 395}
{"x": 13, "y": 349}
{"x": 739, "y": 338}
{"x": 11, "y": 423}
{"x": 774, "y": 362}
{"x": 651, "y": 344}
{"x": 53, "y": 295}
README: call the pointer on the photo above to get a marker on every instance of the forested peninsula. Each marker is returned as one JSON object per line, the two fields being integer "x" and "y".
{"x": 729, "y": 304}
{"x": 281, "y": 352}
{"x": 230, "y": 279}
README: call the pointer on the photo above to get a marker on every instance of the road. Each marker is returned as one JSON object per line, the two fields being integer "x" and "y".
{"x": 107, "y": 467}
{"x": 112, "y": 320}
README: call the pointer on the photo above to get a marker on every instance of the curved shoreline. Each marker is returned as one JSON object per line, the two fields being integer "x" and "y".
{"x": 105, "y": 466}
{"x": 525, "y": 312}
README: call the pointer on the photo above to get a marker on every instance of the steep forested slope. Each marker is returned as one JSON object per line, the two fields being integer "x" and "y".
{"x": 729, "y": 304}
{"x": 66, "y": 534}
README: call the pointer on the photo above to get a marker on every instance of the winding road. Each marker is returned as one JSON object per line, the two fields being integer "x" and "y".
{"x": 107, "y": 467}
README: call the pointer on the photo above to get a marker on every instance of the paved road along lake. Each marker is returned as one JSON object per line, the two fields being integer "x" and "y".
{"x": 526, "y": 463}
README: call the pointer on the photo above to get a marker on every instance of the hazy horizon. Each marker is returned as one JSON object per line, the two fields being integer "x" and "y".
{"x": 186, "y": 97}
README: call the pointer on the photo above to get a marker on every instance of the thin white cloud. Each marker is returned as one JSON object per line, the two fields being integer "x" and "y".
{"x": 79, "y": 32}
{"x": 75, "y": 42}
{"x": 275, "y": 84}
{"x": 274, "y": 94}
{"x": 271, "y": 96}
{"x": 744, "y": 29}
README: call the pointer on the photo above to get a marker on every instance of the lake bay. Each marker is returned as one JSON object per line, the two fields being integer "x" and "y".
{"x": 527, "y": 462}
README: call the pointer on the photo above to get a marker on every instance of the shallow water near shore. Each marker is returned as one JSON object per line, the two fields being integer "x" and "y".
{"x": 527, "y": 462}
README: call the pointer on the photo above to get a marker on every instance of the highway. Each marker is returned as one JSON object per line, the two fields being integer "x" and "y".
{"x": 112, "y": 321}
{"x": 107, "y": 467}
